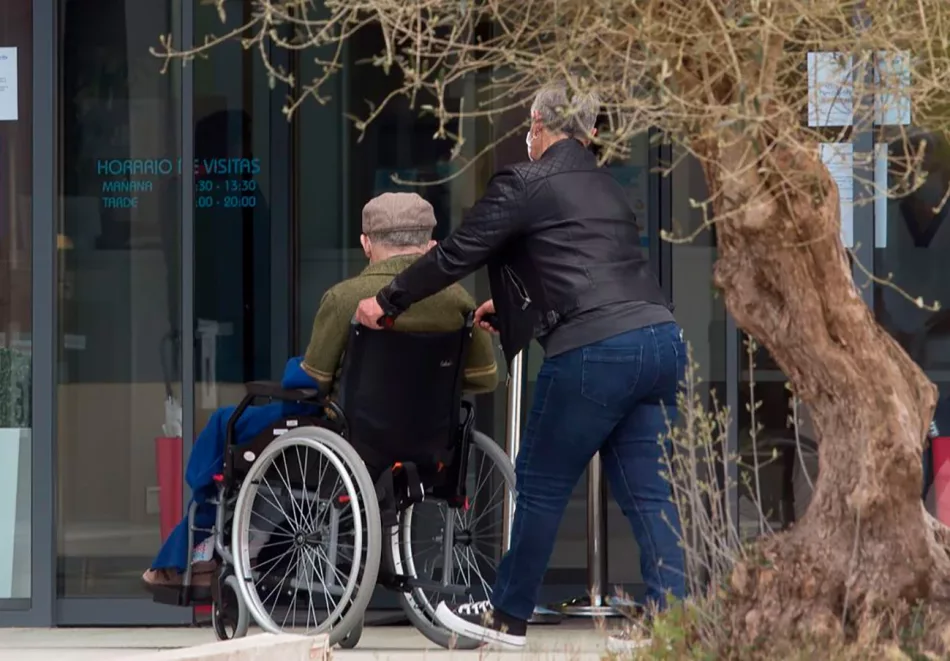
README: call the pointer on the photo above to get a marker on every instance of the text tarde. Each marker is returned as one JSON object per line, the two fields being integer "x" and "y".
{"x": 120, "y": 202}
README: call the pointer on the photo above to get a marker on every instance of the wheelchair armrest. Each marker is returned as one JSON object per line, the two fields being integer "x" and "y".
{"x": 273, "y": 390}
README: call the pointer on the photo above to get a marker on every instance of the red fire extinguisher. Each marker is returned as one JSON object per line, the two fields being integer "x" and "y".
{"x": 168, "y": 448}
{"x": 940, "y": 454}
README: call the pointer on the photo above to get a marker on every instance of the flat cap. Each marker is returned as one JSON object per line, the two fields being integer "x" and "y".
{"x": 393, "y": 212}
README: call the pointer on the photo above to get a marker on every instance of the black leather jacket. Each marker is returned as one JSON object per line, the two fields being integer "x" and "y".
{"x": 559, "y": 238}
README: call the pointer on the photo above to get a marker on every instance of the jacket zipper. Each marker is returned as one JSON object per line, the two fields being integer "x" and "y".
{"x": 522, "y": 292}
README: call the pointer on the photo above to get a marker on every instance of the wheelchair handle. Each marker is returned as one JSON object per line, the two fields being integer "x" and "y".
{"x": 491, "y": 319}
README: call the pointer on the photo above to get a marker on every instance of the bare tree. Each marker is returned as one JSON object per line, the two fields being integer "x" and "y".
{"x": 751, "y": 88}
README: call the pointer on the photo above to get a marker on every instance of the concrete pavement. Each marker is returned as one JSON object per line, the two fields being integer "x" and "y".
{"x": 572, "y": 641}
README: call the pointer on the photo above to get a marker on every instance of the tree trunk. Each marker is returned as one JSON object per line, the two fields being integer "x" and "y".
{"x": 866, "y": 542}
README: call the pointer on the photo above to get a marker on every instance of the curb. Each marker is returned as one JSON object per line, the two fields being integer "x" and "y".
{"x": 262, "y": 647}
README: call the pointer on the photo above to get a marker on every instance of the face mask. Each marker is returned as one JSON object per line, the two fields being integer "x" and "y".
{"x": 527, "y": 141}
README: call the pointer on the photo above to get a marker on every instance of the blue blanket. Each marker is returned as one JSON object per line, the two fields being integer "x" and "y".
{"x": 207, "y": 460}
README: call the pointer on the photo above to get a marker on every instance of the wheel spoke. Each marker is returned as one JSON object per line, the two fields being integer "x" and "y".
{"x": 476, "y": 529}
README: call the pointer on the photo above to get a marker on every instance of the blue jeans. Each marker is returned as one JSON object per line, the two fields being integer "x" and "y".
{"x": 612, "y": 397}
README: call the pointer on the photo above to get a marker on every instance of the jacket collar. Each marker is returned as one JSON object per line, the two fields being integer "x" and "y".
{"x": 392, "y": 266}
{"x": 562, "y": 146}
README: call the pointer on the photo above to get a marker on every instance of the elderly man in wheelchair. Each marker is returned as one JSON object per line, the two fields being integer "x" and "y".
{"x": 365, "y": 469}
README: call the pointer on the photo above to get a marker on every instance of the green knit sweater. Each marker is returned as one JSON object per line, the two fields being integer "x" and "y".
{"x": 441, "y": 312}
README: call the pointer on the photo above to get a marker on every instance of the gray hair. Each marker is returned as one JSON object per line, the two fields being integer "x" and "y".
{"x": 410, "y": 238}
{"x": 575, "y": 116}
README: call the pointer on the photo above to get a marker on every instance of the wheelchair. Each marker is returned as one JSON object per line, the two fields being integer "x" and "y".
{"x": 381, "y": 487}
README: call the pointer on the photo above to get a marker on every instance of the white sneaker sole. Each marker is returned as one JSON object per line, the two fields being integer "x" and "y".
{"x": 454, "y": 623}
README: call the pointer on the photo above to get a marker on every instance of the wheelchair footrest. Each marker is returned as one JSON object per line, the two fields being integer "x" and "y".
{"x": 180, "y": 596}
{"x": 406, "y": 583}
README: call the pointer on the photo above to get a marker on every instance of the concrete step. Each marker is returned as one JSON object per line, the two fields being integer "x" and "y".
{"x": 261, "y": 647}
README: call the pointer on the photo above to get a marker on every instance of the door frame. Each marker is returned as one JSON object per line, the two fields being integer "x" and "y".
{"x": 38, "y": 611}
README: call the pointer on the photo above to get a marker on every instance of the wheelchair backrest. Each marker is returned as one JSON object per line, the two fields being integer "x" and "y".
{"x": 401, "y": 392}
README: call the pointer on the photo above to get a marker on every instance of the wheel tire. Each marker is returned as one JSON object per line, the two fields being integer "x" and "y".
{"x": 420, "y": 612}
{"x": 353, "y": 638}
{"x": 229, "y": 617}
{"x": 221, "y": 623}
{"x": 364, "y": 505}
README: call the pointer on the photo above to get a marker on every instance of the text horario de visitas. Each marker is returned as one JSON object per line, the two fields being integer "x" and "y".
{"x": 219, "y": 182}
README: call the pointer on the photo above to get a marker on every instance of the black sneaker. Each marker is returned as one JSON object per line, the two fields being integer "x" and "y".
{"x": 479, "y": 621}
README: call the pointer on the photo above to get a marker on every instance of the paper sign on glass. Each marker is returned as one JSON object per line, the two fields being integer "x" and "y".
{"x": 830, "y": 89}
{"x": 839, "y": 159}
{"x": 892, "y": 82}
{"x": 8, "y": 84}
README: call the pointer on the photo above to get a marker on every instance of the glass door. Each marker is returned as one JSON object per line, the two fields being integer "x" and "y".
{"x": 118, "y": 307}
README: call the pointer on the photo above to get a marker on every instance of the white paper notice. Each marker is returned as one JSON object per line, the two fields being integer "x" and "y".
{"x": 830, "y": 89}
{"x": 892, "y": 81}
{"x": 839, "y": 158}
{"x": 881, "y": 201}
{"x": 8, "y": 84}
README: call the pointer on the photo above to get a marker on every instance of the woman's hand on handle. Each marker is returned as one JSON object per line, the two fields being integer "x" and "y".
{"x": 485, "y": 316}
{"x": 370, "y": 314}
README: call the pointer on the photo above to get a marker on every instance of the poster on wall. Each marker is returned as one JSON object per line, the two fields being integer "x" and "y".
{"x": 830, "y": 89}
{"x": 9, "y": 95}
{"x": 838, "y": 157}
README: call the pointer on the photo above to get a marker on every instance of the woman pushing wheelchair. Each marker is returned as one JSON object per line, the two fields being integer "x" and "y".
{"x": 562, "y": 247}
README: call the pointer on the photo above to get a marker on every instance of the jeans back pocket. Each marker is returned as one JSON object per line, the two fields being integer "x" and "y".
{"x": 610, "y": 374}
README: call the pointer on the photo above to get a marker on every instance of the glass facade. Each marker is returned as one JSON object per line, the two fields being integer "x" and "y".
{"x": 166, "y": 237}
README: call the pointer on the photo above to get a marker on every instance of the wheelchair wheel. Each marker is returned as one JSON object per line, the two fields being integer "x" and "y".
{"x": 307, "y": 554}
{"x": 229, "y": 617}
{"x": 416, "y": 546}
